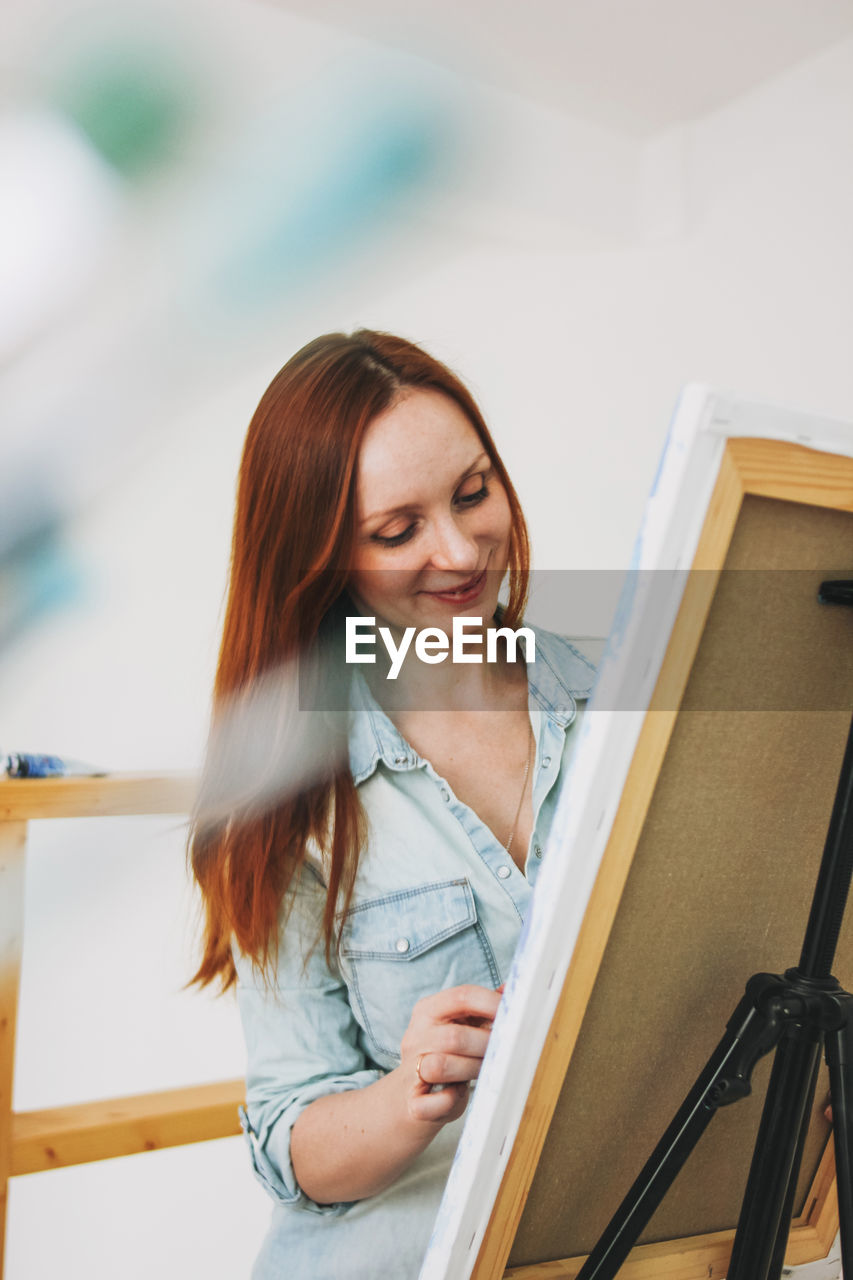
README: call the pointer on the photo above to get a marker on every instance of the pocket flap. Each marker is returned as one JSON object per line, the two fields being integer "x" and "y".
{"x": 405, "y": 924}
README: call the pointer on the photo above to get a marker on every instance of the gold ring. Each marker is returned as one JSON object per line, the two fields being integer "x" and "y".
{"x": 418, "y": 1068}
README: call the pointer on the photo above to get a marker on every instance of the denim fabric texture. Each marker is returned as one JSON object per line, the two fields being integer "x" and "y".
{"x": 437, "y": 902}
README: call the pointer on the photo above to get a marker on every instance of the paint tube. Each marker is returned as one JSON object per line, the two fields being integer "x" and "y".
{"x": 26, "y": 765}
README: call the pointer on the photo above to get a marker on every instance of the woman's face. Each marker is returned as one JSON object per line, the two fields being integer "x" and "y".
{"x": 433, "y": 519}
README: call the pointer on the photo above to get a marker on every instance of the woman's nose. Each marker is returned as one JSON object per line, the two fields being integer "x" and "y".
{"x": 453, "y": 548}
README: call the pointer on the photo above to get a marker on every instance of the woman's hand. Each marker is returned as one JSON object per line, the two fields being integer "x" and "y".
{"x": 444, "y": 1044}
{"x": 355, "y": 1143}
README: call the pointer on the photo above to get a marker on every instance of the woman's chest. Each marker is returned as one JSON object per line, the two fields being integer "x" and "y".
{"x": 437, "y": 903}
{"x": 489, "y": 768}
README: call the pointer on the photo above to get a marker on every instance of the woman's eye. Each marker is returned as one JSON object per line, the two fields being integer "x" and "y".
{"x": 471, "y": 499}
{"x": 396, "y": 539}
{"x": 468, "y": 496}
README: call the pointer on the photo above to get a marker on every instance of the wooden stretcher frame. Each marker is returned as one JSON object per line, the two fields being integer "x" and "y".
{"x": 719, "y": 451}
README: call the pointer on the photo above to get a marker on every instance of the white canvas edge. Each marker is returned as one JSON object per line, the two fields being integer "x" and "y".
{"x": 674, "y": 515}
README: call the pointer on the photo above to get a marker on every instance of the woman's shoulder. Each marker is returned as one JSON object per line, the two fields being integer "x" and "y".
{"x": 573, "y": 662}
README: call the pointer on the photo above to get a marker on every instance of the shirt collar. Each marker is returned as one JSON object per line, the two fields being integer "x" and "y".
{"x": 559, "y": 677}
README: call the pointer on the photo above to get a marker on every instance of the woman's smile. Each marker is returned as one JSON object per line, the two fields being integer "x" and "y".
{"x": 462, "y": 595}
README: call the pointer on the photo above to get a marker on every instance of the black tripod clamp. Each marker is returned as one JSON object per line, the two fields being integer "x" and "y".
{"x": 774, "y": 1005}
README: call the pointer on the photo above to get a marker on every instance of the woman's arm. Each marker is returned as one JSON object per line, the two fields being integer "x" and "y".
{"x": 347, "y": 1146}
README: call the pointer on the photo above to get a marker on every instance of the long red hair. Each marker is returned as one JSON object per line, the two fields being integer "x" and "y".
{"x": 294, "y": 530}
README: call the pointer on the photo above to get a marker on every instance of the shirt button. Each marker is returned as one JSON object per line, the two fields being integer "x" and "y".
{"x": 446, "y": 794}
{"x": 402, "y": 945}
{"x": 546, "y": 760}
{"x": 537, "y": 849}
{"x": 504, "y": 872}
{"x": 401, "y": 759}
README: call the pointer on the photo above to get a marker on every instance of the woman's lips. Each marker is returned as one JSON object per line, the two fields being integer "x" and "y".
{"x": 464, "y": 594}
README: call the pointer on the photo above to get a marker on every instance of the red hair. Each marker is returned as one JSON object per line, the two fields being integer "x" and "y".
{"x": 294, "y": 530}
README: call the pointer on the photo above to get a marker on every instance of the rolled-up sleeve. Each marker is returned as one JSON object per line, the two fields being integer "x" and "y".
{"x": 302, "y": 1043}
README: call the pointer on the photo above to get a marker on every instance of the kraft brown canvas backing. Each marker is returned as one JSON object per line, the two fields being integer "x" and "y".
{"x": 719, "y": 889}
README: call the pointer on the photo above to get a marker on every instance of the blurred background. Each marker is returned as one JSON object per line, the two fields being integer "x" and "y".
{"x": 580, "y": 205}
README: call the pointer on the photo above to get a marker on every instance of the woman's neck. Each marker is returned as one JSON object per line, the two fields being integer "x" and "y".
{"x": 448, "y": 685}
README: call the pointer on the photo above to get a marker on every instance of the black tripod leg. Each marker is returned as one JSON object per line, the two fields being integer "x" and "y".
{"x": 773, "y": 1164}
{"x": 690, "y": 1121}
{"x": 777, "y": 1262}
{"x": 839, "y": 1055}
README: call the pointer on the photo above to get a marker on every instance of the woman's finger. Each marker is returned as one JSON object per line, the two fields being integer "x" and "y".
{"x": 443, "y": 1105}
{"x": 447, "y": 1068}
{"x": 460, "y": 1039}
{"x": 455, "y": 1003}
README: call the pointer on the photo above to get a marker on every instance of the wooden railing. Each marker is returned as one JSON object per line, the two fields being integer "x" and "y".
{"x": 32, "y": 1141}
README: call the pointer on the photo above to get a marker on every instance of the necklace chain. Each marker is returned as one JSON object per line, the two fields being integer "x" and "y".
{"x": 530, "y": 750}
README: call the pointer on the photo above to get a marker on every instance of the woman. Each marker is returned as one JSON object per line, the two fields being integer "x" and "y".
{"x": 369, "y": 921}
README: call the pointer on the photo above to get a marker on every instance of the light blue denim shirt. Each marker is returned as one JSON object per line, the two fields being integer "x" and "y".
{"x": 437, "y": 902}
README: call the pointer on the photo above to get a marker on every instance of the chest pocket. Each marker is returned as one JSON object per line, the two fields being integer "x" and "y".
{"x": 408, "y": 945}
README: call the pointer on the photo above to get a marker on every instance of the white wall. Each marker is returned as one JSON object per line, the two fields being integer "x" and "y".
{"x": 739, "y": 272}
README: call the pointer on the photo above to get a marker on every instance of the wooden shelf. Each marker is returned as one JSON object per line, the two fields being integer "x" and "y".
{"x": 78, "y": 1134}
{"x": 23, "y": 799}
